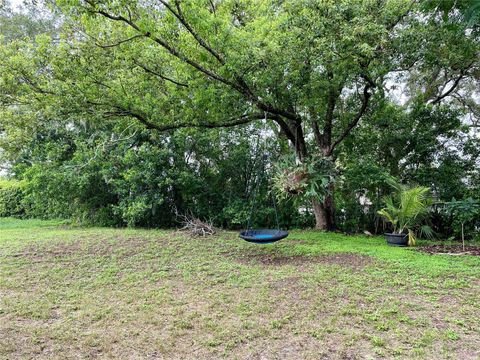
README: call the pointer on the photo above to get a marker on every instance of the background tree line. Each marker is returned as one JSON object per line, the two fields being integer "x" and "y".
{"x": 124, "y": 113}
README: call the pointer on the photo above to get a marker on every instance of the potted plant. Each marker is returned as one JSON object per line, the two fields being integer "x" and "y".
{"x": 405, "y": 209}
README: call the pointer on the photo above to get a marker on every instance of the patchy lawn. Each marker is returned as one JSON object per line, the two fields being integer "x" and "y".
{"x": 121, "y": 293}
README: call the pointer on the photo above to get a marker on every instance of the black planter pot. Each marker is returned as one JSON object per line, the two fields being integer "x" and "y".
{"x": 397, "y": 239}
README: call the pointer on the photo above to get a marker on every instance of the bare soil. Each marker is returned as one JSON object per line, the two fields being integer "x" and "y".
{"x": 346, "y": 260}
{"x": 451, "y": 249}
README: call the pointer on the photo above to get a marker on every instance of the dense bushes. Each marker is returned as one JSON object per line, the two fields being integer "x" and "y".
{"x": 99, "y": 134}
{"x": 12, "y": 198}
{"x": 145, "y": 181}
{"x": 59, "y": 192}
{"x": 127, "y": 176}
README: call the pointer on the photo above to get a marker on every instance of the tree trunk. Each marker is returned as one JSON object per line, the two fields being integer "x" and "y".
{"x": 324, "y": 213}
{"x": 329, "y": 206}
{"x": 324, "y": 210}
{"x": 320, "y": 215}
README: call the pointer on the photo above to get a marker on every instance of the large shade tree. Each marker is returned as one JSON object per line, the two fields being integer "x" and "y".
{"x": 314, "y": 69}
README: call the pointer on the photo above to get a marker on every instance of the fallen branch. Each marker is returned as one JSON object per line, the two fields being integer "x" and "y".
{"x": 196, "y": 227}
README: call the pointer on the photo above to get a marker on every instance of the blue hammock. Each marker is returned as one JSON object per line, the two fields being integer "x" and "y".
{"x": 263, "y": 236}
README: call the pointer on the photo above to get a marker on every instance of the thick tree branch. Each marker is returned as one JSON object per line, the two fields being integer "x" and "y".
{"x": 455, "y": 84}
{"x": 240, "y": 120}
{"x": 273, "y": 110}
{"x": 316, "y": 132}
{"x": 365, "y": 99}
{"x": 333, "y": 94}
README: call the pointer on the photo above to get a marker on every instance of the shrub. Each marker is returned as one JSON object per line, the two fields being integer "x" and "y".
{"x": 11, "y": 198}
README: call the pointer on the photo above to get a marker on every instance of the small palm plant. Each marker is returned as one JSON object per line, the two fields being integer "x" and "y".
{"x": 406, "y": 208}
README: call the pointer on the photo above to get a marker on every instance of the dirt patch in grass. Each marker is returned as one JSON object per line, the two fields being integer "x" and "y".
{"x": 451, "y": 249}
{"x": 286, "y": 283}
{"x": 120, "y": 247}
{"x": 352, "y": 261}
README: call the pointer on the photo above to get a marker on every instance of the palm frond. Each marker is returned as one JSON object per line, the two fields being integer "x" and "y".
{"x": 411, "y": 238}
{"x": 426, "y": 232}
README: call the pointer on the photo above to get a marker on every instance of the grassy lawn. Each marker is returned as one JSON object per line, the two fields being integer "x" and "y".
{"x": 120, "y": 293}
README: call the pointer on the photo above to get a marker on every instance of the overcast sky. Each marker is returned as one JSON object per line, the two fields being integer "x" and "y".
{"x": 15, "y": 3}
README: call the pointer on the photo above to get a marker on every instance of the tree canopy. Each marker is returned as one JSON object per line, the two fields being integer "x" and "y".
{"x": 391, "y": 84}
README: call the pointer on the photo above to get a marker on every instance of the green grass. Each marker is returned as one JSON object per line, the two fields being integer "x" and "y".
{"x": 11, "y": 223}
{"x": 69, "y": 292}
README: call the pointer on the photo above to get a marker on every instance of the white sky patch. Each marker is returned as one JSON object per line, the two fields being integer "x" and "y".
{"x": 16, "y": 3}
{"x": 396, "y": 88}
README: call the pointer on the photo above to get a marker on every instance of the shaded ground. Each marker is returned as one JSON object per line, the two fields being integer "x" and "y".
{"x": 451, "y": 249}
{"x": 134, "y": 294}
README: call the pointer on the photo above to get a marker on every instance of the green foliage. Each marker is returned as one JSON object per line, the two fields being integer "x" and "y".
{"x": 360, "y": 190}
{"x": 465, "y": 213}
{"x": 305, "y": 180}
{"x": 28, "y": 23}
{"x": 411, "y": 147}
{"x": 11, "y": 198}
{"x": 79, "y": 113}
{"x": 406, "y": 208}
{"x": 133, "y": 178}
{"x": 467, "y": 11}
